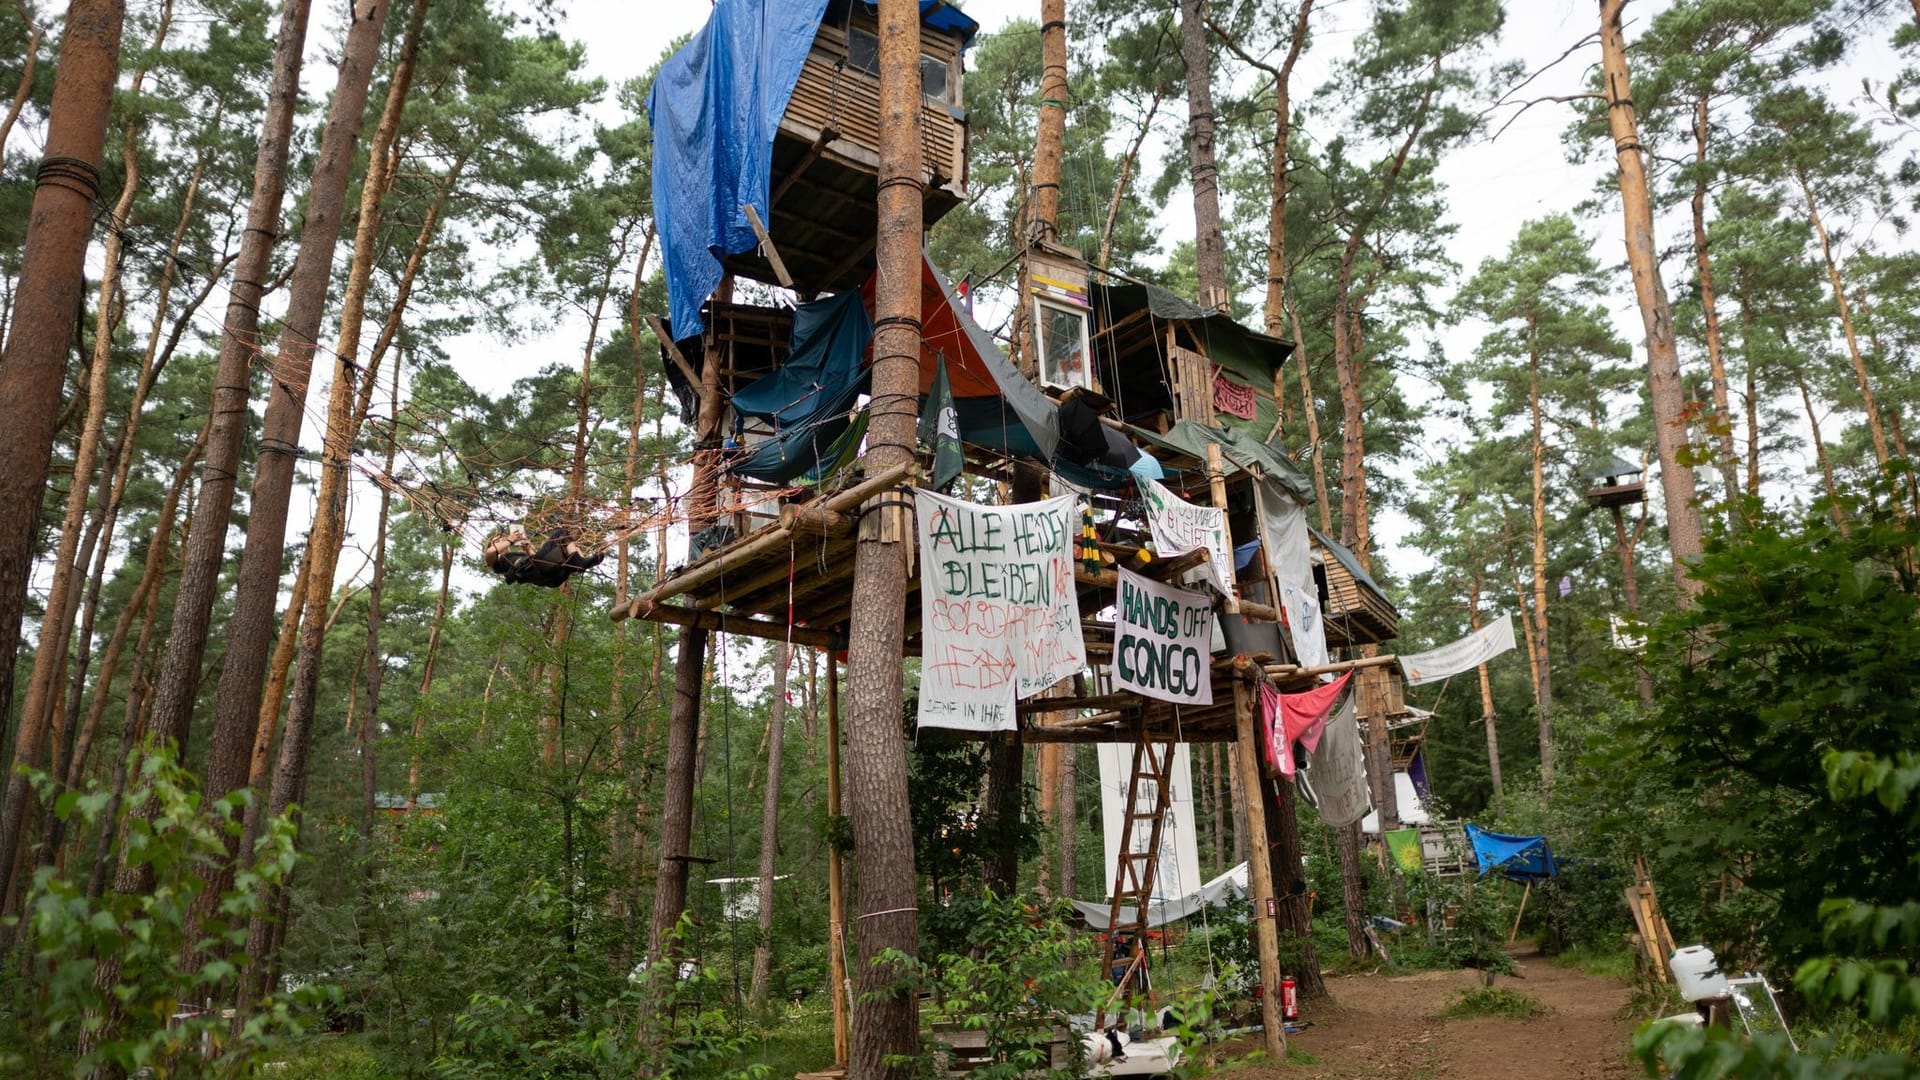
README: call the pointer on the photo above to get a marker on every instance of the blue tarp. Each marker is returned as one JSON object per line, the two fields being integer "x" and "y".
{"x": 715, "y": 107}
{"x": 830, "y": 339}
{"x": 1518, "y": 857}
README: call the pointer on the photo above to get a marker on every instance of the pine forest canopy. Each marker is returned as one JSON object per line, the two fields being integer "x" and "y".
{"x": 325, "y": 328}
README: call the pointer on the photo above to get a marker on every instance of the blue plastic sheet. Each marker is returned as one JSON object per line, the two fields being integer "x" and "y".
{"x": 715, "y": 107}
{"x": 1519, "y": 857}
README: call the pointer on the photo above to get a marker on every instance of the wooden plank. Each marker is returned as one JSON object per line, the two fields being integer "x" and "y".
{"x": 767, "y": 246}
{"x": 673, "y": 351}
{"x": 675, "y": 615}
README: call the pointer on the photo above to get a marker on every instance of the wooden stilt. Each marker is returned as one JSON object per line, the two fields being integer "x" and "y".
{"x": 1521, "y": 914}
{"x": 836, "y": 891}
{"x": 1253, "y": 823}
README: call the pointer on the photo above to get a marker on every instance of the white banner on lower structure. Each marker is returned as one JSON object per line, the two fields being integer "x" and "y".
{"x": 999, "y": 617}
{"x": 1178, "y": 868}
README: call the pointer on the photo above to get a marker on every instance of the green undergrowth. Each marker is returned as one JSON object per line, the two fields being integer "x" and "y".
{"x": 1600, "y": 961}
{"x": 1494, "y": 1001}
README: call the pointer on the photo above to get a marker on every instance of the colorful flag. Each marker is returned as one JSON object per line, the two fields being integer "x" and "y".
{"x": 1291, "y": 718}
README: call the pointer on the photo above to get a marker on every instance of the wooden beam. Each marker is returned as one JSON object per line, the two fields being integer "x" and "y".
{"x": 1069, "y": 704}
{"x": 675, "y": 615}
{"x": 673, "y": 351}
{"x": 854, "y": 258}
{"x": 766, "y": 245}
{"x": 1253, "y": 818}
{"x": 744, "y": 550}
{"x": 819, "y": 144}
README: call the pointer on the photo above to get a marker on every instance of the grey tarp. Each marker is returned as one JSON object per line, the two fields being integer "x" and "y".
{"x": 1219, "y": 892}
{"x": 1337, "y": 770}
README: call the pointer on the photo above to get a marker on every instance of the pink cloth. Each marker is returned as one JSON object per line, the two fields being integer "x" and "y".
{"x": 1286, "y": 718}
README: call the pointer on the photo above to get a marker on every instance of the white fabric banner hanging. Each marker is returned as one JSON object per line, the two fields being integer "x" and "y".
{"x": 999, "y": 617}
{"x": 1283, "y": 532}
{"x": 1457, "y": 656}
{"x": 1304, "y": 624}
{"x": 1178, "y": 869}
{"x": 1337, "y": 770}
{"x": 1163, "y": 641}
{"x": 1179, "y": 526}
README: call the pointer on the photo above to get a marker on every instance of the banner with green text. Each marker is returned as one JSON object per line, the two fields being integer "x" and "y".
{"x": 1163, "y": 641}
{"x": 999, "y": 618}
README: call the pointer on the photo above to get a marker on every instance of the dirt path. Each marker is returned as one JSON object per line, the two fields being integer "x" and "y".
{"x": 1390, "y": 1028}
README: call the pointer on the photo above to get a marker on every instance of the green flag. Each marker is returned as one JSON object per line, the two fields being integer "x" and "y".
{"x": 940, "y": 430}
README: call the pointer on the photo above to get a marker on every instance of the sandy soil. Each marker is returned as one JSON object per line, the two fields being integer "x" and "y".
{"x": 1390, "y": 1028}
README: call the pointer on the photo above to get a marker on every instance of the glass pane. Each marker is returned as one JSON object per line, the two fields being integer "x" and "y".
{"x": 863, "y": 51}
{"x": 1062, "y": 339}
{"x": 933, "y": 78}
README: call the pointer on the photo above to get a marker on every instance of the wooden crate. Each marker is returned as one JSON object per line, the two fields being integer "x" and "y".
{"x": 960, "y": 1051}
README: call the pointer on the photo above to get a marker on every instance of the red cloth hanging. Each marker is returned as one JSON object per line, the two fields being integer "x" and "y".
{"x": 1287, "y": 718}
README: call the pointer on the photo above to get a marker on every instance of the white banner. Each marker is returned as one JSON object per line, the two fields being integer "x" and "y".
{"x": 1305, "y": 625}
{"x": 999, "y": 618}
{"x": 1283, "y": 526}
{"x": 1464, "y": 655}
{"x": 1163, "y": 641}
{"x": 1178, "y": 527}
{"x": 1178, "y": 870}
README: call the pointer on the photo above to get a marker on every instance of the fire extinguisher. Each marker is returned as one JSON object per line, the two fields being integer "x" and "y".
{"x": 1289, "y": 1000}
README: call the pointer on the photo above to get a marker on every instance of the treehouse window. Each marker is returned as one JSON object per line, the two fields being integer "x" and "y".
{"x": 1063, "y": 345}
{"x": 863, "y": 52}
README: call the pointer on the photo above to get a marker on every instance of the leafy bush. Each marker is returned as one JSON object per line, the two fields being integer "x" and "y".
{"x": 107, "y": 987}
{"x": 1496, "y": 1001}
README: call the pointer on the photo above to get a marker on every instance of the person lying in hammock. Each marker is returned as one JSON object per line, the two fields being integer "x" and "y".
{"x": 556, "y": 560}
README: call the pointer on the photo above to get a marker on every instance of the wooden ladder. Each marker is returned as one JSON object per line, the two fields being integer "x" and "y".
{"x": 1133, "y": 877}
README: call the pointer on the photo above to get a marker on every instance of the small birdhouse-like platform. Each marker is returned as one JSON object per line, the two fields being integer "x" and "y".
{"x": 1616, "y": 483}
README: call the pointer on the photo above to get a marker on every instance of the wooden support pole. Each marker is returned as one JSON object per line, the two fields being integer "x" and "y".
{"x": 813, "y": 636}
{"x": 1253, "y": 823}
{"x": 673, "y": 351}
{"x": 836, "y": 889}
{"x": 766, "y": 245}
{"x": 1217, "y": 482}
{"x": 1528, "y": 891}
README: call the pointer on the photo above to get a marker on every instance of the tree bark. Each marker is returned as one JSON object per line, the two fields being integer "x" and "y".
{"x": 1209, "y": 242}
{"x": 33, "y": 365}
{"x": 1820, "y": 453}
{"x": 306, "y": 302}
{"x": 1051, "y": 130}
{"x": 1353, "y": 890}
{"x": 1290, "y": 886}
{"x": 1317, "y": 459}
{"x": 1537, "y": 626}
{"x": 886, "y": 1028}
{"x": 1067, "y": 810}
{"x": 178, "y": 682}
{"x": 376, "y": 661}
{"x": 1722, "y": 424}
{"x": 1487, "y": 715}
{"x": 1874, "y": 429}
{"x": 1630, "y": 585}
{"x": 20, "y": 94}
{"x": 770, "y": 822}
{"x": 1668, "y": 399}
{"x": 237, "y": 703}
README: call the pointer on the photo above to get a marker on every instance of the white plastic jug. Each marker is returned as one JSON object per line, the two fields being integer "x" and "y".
{"x": 1697, "y": 973}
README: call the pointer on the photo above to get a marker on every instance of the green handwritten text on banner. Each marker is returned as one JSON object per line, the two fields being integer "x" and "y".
{"x": 999, "y": 618}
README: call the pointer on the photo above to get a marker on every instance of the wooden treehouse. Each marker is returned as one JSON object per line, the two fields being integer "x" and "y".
{"x": 826, "y": 151}
{"x": 1615, "y": 483}
{"x": 1124, "y": 396}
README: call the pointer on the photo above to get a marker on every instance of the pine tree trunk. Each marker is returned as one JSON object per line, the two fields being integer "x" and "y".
{"x": 1874, "y": 429}
{"x": 1277, "y": 269}
{"x": 1487, "y": 714}
{"x": 1290, "y": 886}
{"x": 1353, "y": 889}
{"x": 33, "y": 366}
{"x": 237, "y": 704}
{"x": 1630, "y": 585}
{"x": 35, "y": 35}
{"x": 1667, "y": 397}
{"x": 1722, "y": 423}
{"x": 1127, "y": 162}
{"x": 306, "y": 301}
{"x": 1067, "y": 809}
{"x": 1218, "y": 802}
{"x": 1317, "y": 459}
{"x": 376, "y": 662}
{"x": 177, "y": 685}
{"x": 886, "y": 1028}
{"x": 1209, "y": 242}
{"x": 1537, "y": 626}
{"x": 1753, "y": 396}
{"x": 1237, "y": 791}
{"x": 770, "y": 822}
{"x": 1051, "y": 130}
{"x": 1820, "y": 452}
